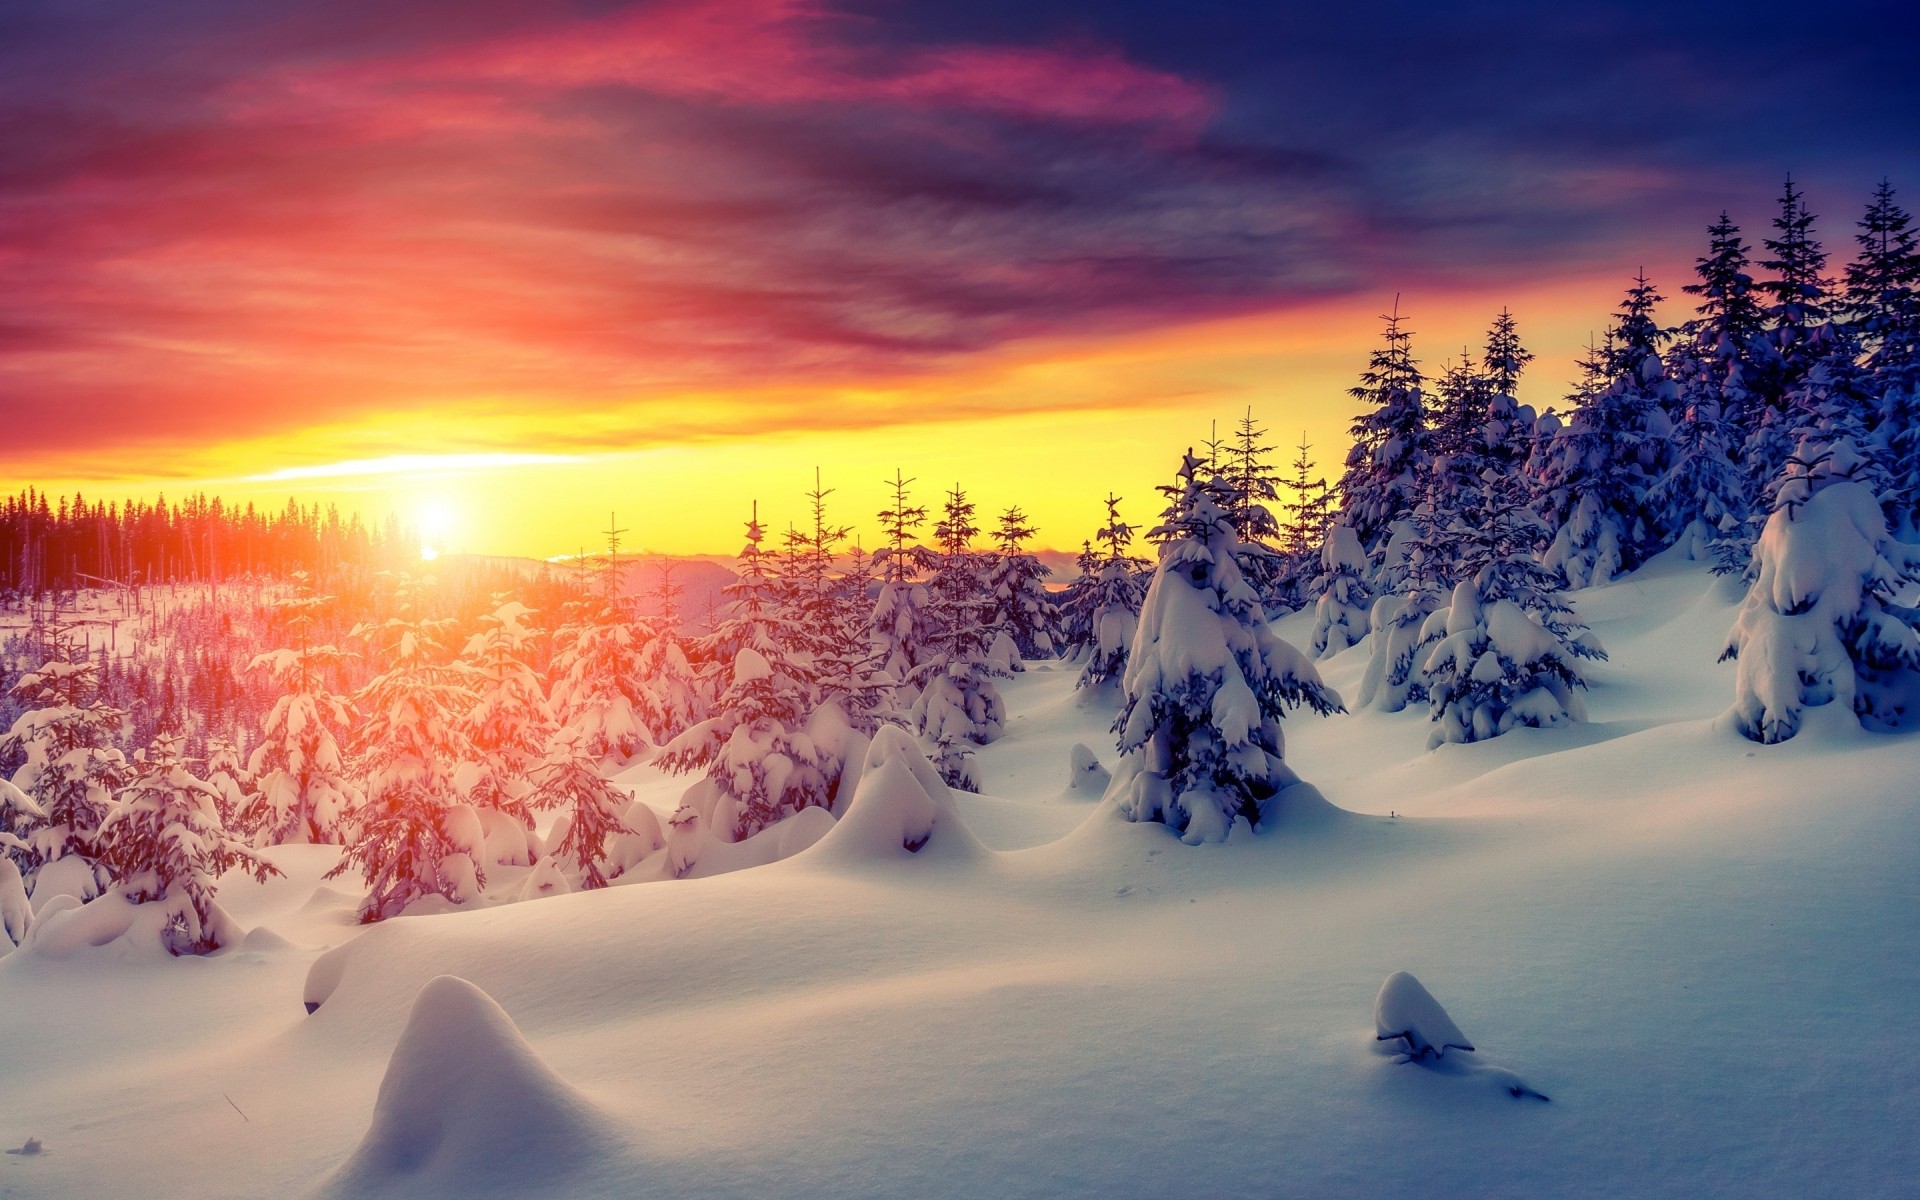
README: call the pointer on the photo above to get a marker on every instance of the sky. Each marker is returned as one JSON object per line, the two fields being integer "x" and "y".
{"x": 507, "y": 266}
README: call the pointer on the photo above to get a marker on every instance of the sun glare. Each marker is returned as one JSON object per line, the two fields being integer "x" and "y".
{"x": 433, "y": 522}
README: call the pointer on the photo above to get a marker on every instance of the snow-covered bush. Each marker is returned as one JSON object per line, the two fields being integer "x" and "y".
{"x": 1207, "y": 680}
{"x": 163, "y": 844}
{"x": 1834, "y": 606}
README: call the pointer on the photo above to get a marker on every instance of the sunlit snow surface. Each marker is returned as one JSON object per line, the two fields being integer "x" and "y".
{"x": 1706, "y": 951}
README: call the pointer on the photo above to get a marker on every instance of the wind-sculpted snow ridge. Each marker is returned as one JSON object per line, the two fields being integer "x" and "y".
{"x": 467, "y": 1108}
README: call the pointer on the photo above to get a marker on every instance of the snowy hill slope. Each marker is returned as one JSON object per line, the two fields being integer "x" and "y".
{"x": 1706, "y": 951}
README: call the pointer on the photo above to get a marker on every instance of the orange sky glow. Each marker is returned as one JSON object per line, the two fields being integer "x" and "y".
{"x": 1049, "y": 425}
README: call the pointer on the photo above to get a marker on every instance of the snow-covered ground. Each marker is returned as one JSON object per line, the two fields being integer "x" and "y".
{"x": 1705, "y": 951}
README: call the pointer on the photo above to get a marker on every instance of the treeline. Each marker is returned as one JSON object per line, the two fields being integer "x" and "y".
{"x": 61, "y": 544}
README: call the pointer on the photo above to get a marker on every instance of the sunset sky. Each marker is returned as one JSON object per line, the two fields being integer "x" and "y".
{"x": 506, "y": 266}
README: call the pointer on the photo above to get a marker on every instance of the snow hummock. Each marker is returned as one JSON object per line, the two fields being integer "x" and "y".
{"x": 1405, "y": 1010}
{"x": 900, "y": 807}
{"x": 468, "y": 1108}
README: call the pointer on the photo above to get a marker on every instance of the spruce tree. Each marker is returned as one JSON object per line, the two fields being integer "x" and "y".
{"x": 69, "y": 770}
{"x": 1207, "y": 680}
{"x": 413, "y": 838}
{"x": 1113, "y": 602}
{"x": 163, "y": 843}
{"x": 1390, "y": 451}
{"x": 900, "y": 623}
{"x": 1022, "y": 609}
{"x": 761, "y": 763}
{"x": 957, "y": 706}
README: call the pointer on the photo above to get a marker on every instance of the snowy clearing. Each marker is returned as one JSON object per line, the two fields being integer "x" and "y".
{"x": 1705, "y": 950}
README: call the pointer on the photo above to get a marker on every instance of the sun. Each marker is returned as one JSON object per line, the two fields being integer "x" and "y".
{"x": 434, "y": 523}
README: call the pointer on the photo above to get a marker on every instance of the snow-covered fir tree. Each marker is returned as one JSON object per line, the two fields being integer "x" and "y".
{"x": 412, "y": 836}
{"x": 1207, "y": 680}
{"x": 1245, "y": 461}
{"x": 1340, "y": 615}
{"x": 1882, "y": 307}
{"x": 1412, "y": 587}
{"x": 162, "y": 843}
{"x": 596, "y": 690}
{"x": 1015, "y": 580}
{"x": 1702, "y": 499}
{"x": 1509, "y": 645}
{"x": 1592, "y": 475}
{"x": 957, "y": 707}
{"x": 669, "y": 690}
{"x": 901, "y": 627}
{"x": 568, "y": 780}
{"x": 231, "y": 781}
{"x": 510, "y": 722}
{"x": 1112, "y": 602}
{"x": 69, "y": 773}
{"x": 828, "y": 605}
{"x": 1382, "y": 480}
{"x": 1824, "y": 619}
{"x": 762, "y": 762}
{"x": 303, "y": 791}
{"x": 1798, "y": 336}
{"x": 1307, "y": 516}
{"x": 1076, "y": 602}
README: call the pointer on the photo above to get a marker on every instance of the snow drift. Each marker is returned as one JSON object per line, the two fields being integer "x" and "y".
{"x": 467, "y": 1108}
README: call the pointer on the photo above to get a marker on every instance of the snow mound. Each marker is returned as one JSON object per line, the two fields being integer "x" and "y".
{"x": 1085, "y": 773}
{"x": 1406, "y": 1012}
{"x": 900, "y": 807}
{"x": 467, "y": 1108}
{"x": 1405, "y": 1009}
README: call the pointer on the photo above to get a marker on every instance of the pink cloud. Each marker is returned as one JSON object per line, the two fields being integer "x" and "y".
{"x": 776, "y": 52}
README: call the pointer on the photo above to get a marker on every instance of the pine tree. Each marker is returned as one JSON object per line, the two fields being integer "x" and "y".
{"x": 1207, "y": 680}
{"x": 1382, "y": 480}
{"x": 1800, "y": 291}
{"x": 412, "y": 838}
{"x": 304, "y": 792}
{"x": 596, "y": 691}
{"x": 1504, "y": 359}
{"x": 829, "y": 611}
{"x": 1823, "y": 619}
{"x": 1113, "y": 602}
{"x": 1021, "y": 608}
{"x": 669, "y": 691}
{"x": 957, "y": 706}
{"x": 69, "y": 771}
{"x": 761, "y": 763}
{"x": 899, "y": 619}
{"x": 163, "y": 843}
{"x": 1340, "y": 617}
{"x": 510, "y": 722}
{"x": 1592, "y": 475}
{"x": 568, "y": 780}
{"x": 1882, "y": 305}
